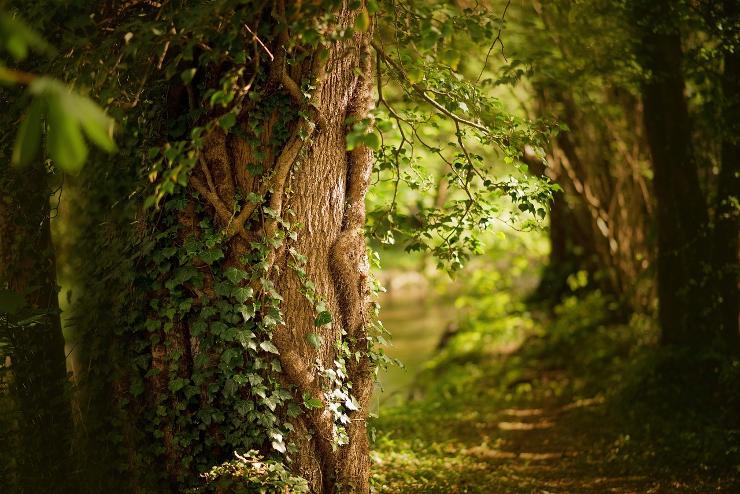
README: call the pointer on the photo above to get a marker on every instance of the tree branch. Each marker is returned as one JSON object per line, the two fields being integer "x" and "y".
{"x": 422, "y": 93}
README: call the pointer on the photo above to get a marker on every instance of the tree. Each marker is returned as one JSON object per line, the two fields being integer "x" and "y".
{"x": 576, "y": 62}
{"x": 32, "y": 340}
{"x": 686, "y": 292}
{"x": 226, "y": 307}
{"x": 39, "y": 374}
{"x": 726, "y": 245}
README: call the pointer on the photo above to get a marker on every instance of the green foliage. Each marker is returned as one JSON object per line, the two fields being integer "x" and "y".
{"x": 440, "y": 126}
{"x": 66, "y": 114}
{"x": 233, "y": 386}
{"x": 250, "y": 473}
{"x": 170, "y": 76}
{"x": 18, "y": 39}
{"x": 558, "y": 396}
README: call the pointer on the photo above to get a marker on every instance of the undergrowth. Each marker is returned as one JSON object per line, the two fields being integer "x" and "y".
{"x": 562, "y": 400}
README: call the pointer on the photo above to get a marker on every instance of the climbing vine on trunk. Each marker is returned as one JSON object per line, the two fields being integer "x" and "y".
{"x": 228, "y": 318}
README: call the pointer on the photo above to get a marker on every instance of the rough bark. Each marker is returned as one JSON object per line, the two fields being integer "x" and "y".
{"x": 39, "y": 374}
{"x": 328, "y": 191}
{"x": 313, "y": 181}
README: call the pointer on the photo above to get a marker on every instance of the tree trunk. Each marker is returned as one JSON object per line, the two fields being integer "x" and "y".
{"x": 727, "y": 212}
{"x": 39, "y": 374}
{"x": 299, "y": 275}
{"x": 328, "y": 194}
{"x": 684, "y": 308}
{"x": 599, "y": 222}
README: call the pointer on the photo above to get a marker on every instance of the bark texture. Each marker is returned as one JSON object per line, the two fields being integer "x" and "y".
{"x": 313, "y": 181}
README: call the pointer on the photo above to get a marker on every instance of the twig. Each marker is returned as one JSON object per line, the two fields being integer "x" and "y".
{"x": 497, "y": 39}
{"x": 422, "y": 93}
{"x": 258, "y": 40}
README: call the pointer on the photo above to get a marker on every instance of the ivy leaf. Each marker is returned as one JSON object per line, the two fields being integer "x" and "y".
{"x": 279, "y": 446}
{"x": 324, "y": 317}
{"x": 312, "y": 403}
{"x": 268, "y": 346}
{"x": 246, "y": 310}
{"x": 177, "y": 384}
{"x": 243, "y": 293}
{"x": 314, "y": 340}
{"x": 235, "y": 275}
{"x": 227, "y": 121}
{"x": 351, "y": 404}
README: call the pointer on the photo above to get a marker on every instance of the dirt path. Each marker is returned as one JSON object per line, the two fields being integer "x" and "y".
{"x": 480, "y": 446}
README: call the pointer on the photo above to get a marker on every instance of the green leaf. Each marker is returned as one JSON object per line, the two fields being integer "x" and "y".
{"x": 372, "y": 140}
{"x": 268, "y": 346}
{"x": 16, "y": 37}
{"x": 28, "y": 139}
{"x": 315, "y": 340}
{"x": 235, "y": 275}
{"x": 187, "y": 75}
{"x": 312, "y": 403}
{"x": 97, "y": 125}
{"x": 362, "y": 21}
{"x": 66, "y": 145}
{"x": 246, "y": 310}
{"x": 227, "y": 121}
{"x": 242, "y": 294}
{"x": 177, "y": 384}
{"x": 324, "y": 317}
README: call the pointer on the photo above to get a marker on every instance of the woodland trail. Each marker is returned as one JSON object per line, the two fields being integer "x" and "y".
{"x": 531, "y": 442}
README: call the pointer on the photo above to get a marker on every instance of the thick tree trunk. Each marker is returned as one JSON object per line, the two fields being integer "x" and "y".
{"x": 311, "y": 180}
{"x": 684, "y": 308}
{"x": 39, "y": 375}
{"x": 328, "y": 193}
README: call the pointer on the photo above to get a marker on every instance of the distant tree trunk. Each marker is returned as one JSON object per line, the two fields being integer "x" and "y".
{"x": 39, "y": 375}
{"x": 727, "y": 212}
{"x": 599, "y": 223}
{"x": 685, "y": 311}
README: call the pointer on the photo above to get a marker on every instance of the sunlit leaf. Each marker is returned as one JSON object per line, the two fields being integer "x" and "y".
{"x": 314, "y": 340}
{"x": 66, "y": 145}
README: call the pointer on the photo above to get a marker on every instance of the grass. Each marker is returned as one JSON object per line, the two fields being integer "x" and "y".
{"x": 558, "y": 404}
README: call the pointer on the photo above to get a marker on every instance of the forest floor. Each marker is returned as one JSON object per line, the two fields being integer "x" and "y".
{"x": 508, "y": 419}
